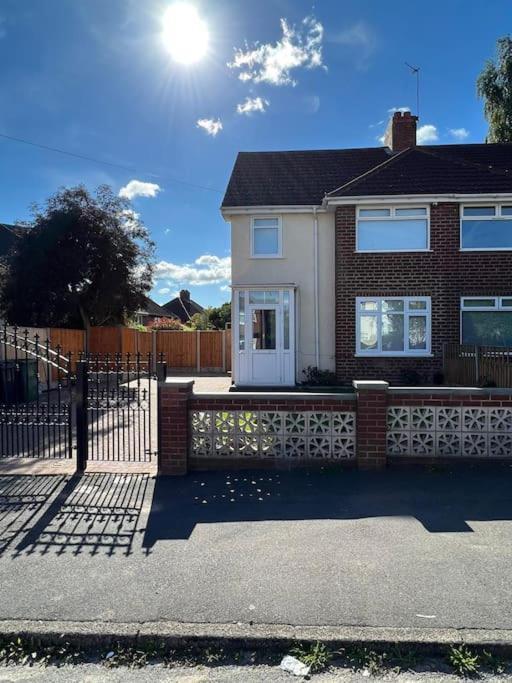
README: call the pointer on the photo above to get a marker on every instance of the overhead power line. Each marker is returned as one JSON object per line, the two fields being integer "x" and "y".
{"x": 113, "y": 164}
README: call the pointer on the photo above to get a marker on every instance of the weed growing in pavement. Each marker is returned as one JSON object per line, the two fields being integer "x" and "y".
{"x": 495, "y": 664}
{"x": 463, "y": 661}
{"x": 361, "y": 658}
{"x": 27, "y": 652}
{"x": 131, "y": 657}
{"x": 315, "y": 655}
{"x": 403, "y": 659}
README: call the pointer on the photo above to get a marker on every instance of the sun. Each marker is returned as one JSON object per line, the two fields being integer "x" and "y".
{"x": 184, "y": 33}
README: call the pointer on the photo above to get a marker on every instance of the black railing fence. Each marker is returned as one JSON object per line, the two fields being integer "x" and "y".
{"x": 52, "y": 403}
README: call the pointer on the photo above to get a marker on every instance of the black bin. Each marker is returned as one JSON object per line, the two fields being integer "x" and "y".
{"x": 18, "y": 381}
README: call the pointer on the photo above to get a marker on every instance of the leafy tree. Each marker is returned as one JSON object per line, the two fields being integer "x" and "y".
{"x": 200, "y": 321}
{"x": 86, "y": 260}
{"x": 494, "y": 86}
{"x": 219, "y": 316}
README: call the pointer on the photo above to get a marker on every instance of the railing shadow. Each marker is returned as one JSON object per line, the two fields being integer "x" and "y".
{"x": 93, "y": 514}
{"x": 443, "y": 501}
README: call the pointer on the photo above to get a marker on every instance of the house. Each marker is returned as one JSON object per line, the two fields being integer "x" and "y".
{"x": 183, "y": 307}
{"x": 366, "y": 262}
{"x": 149, "y": 312}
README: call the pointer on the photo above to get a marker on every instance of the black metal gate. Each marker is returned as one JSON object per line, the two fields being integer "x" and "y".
{"x": 35, "y": 398}
{"x": 116, "y": 397}
{"x": 51, "y": 403}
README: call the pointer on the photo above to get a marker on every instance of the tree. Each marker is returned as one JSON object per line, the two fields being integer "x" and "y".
{"x": 494, "y": 86}
{"x": 86, "y": 260}
{"x": 219, "y": 316}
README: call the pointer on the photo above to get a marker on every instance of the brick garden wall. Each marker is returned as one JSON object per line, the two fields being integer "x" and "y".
{"x": 445, "y": 274}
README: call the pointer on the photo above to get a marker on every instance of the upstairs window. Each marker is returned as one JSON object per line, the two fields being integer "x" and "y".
{"x": 487, "y": 320}
{"x": 266, "y": 237}
{"x": 486, "y": 227}
{"x": 393, "y": 326}
{"x": 392, "y": 228}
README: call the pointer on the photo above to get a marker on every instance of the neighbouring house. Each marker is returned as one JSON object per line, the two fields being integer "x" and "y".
{"x": 149, "y": 312}
{"x": 183, "y": 307}
{"x": 366, "y": 262}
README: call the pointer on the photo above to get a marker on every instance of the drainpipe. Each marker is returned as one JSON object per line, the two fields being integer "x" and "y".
{"x": 316, "y": 287}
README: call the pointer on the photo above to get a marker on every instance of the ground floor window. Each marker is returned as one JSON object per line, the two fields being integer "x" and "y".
{"x": 486, "y": 320}
{"x": 393, "y": 326}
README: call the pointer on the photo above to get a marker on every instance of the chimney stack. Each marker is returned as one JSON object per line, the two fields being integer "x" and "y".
{"x": 401, "y": 131}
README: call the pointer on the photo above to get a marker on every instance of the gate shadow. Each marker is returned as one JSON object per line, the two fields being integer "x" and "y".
{"x": 92, "y": 514}
{"x": 441, "y": 500}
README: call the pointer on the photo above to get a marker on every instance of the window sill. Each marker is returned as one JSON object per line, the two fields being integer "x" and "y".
{"x": 485, "y": 249}
{"x": 393, "y": 251}
{"x": 393, "y": 355}
{"x": 266, "y": 257}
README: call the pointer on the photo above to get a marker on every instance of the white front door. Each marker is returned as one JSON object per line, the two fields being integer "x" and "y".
{"x": 264, "y": 337}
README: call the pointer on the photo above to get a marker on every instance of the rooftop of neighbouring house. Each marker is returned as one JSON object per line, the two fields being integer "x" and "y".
{"x": 183, "y": 307}
{"x": 401, "y": 167}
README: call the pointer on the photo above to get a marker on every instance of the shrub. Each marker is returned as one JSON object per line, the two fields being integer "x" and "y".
{"x": 165, "y": 324}
{"x": 319, "y": 378}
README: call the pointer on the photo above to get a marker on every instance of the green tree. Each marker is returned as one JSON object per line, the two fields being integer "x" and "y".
{"x": 494, "y": 86}
{"x": 86, "y": 260}
{"x": 220, "y": 316}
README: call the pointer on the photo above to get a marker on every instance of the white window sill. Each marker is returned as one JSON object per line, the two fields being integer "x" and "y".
{"x": 265, "y": 256}
{"x": 393, "y": 355}
{"x": 485, "y": 249}
{"x": 393, "y": 251}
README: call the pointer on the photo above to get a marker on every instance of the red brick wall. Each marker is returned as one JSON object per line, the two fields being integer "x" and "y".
{"x": 444, "y": 273}
{"x": 173, "y": 433}
{"x": 231, "y": 402}
{"x": 479, "y": 399}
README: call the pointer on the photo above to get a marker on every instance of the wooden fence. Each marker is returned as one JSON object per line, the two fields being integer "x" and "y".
{"x": 470, "y": 365}
{"x": 194, "y": 351}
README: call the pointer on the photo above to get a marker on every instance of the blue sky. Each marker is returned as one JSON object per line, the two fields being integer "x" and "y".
{"x": 96, "y": 78}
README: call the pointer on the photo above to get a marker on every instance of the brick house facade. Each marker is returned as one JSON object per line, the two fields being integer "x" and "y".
{"x": 445, "y": 274}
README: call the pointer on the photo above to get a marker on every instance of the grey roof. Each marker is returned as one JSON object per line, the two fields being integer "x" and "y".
{"x": 304, "y": 178}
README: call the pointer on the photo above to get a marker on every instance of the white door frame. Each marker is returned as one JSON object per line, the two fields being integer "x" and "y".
{"x": 242, "y": 335}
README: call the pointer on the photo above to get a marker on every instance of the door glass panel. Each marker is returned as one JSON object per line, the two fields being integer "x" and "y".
{"x": 368, "y": 332}
{"x": 417, "y": 332}
{"x": 286, "y": 320}
{"x": 264, "y": 330}
{"x": 241, "y": 321}
{"x": 392, "y": 332}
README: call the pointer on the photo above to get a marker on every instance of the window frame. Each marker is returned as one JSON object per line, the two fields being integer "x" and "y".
{"x": 497, "y": 216}
{"x": 392, "y": 216}
{"x": 407, "y": 353}
{"x": 279, "y": 253}
{"x": 498, "y": 306}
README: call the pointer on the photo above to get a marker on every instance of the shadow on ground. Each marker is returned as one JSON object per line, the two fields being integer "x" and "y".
{"x": 107, "y": 514}
{"x": 443, "y": 501}
{"x": 92, "y": 514}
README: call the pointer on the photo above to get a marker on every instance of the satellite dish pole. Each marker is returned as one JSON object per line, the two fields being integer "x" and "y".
{"x": 415, "y": 70}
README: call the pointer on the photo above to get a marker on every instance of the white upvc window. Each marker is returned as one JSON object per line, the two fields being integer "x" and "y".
{"x": 392, "y": 228}
{"x": 266, "y": 237}
{"x": 486, "y": 320}
{"x": 393, "y": 326}
{"x": 486, "y": 227}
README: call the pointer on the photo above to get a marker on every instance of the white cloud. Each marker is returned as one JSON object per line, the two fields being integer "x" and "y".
{"x": 138, "y": 188}
{"x": 167, "y": 231}
{"x": 402, "y": 109}
{"x": 251, "y": 105}
{"x": 274, "y": 62}
{"x": 312, "y": 103}
{"x": 362, "y": 38}
{"x": 164, "y": 290}
{"x": 211, "y": 126}
{"x": 459, "y": 133}
{"x": 225, "y": 288}
{"x": 426, "y": 133}
{"x": 207, "y": 269}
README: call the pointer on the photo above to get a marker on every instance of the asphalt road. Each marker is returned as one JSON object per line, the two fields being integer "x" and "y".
{"x": 401, "y": 548}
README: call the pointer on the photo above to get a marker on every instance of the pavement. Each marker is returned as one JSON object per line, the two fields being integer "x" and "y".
{"x": 213, "y": 383}
{"x": 399, "y": 549}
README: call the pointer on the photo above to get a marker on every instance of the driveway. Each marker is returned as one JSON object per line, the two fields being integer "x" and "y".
{"x": 398, "y": 548}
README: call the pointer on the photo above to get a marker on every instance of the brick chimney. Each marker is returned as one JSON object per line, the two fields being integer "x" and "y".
{"x": 401, "y": 131}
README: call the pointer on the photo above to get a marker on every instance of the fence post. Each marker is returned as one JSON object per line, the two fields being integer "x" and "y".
{"x": 82, "y": 425}
{"x": 224, "y": 350}
{"x": 153, "y": 351}
{"x": 198, "y": 350}
{"x": 371, "y": 432}
{"x": 477, "y": 365}
{"x": 173, "y": 433}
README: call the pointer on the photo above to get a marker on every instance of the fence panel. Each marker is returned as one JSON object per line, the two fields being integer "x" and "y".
{"x": 70, "y": 342}
{"x": 211, "y": 350}
{"x": 145, "y": 342}
{"x": 105, "y": 340}
{"x": 178, "y": 348}
{"x": 469, "y": 365}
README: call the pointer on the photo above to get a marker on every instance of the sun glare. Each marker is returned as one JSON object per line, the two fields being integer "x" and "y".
{"x": 185, "y": 34}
